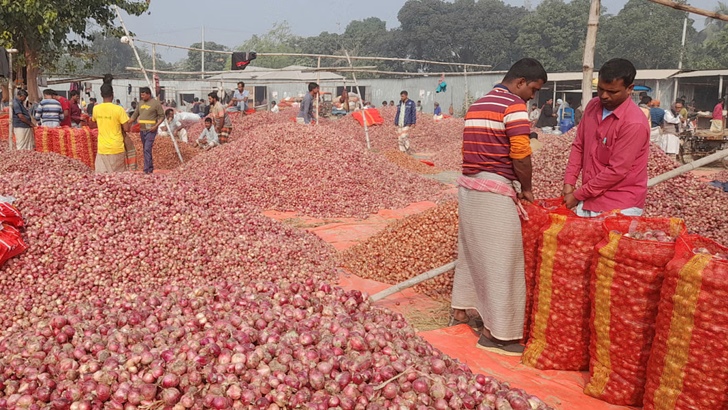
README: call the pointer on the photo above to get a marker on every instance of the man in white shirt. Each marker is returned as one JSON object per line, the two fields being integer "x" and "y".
{"x": 672, "y": 125}
{"x": 240, "y": 98}
{"x": 274, "y": 107}
{"x": 208, "y": 138}
{"x": 175, "y": 125}
{"x": 534, "y": 114}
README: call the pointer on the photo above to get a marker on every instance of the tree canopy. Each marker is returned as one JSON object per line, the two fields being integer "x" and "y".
{"x": 44, "y": 30}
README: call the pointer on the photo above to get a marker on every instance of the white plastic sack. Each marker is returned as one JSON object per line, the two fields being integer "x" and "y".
{"x": 188, "y": 116}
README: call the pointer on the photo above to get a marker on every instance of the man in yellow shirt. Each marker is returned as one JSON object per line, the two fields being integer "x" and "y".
{"x": 112, "y": 123}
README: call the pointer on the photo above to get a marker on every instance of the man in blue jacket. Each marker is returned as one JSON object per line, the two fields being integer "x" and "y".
{"x": 405, "y": 119}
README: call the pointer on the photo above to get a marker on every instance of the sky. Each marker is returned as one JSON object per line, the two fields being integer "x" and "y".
{"x": 231, "y": 22}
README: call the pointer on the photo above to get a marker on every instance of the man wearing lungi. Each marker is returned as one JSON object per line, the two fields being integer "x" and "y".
{"x": 611, "y": 148}
{"x": 489, "y": 275}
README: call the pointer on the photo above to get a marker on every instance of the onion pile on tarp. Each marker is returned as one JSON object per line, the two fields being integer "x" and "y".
{"x": 408, "y": 247}
{"x": 238, "y": 345}
{"x": 317, "y": 171}
{"x": 38, "y": 162}
{"x": 164, "y": 154}
{"x": 97, "y": 236}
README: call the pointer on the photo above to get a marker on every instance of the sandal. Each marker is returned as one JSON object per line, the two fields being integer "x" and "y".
{"x": 475, "y": 323}
{"x": 505, "y": 349}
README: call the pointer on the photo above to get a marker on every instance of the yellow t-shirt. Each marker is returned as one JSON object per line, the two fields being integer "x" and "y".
{"x": 109, "y": 117}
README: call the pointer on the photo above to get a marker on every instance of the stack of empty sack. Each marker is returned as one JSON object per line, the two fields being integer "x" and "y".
{"x": 11, "y": 243}
{"x": 77, "y": 143}
{"x": 637, "y": 301}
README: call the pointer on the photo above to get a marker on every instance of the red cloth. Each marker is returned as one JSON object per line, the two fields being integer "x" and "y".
{"x": 66, "y": 105}
{"x": 718, "y": 111}
{"x": 611, "y": 154}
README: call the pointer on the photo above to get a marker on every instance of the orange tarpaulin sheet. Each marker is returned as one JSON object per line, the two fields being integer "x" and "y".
{"x": 559, "y": 389}
{"x": 372, "y": 116}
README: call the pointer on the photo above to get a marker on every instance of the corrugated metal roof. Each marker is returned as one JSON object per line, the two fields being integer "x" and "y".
{"x": 701, "y": 73}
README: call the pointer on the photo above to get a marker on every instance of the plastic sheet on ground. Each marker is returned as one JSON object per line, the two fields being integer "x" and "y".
{"x": 560, "y": 389}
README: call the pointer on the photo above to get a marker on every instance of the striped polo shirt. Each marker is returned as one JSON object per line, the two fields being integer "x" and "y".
{"x": 490, "y": 124}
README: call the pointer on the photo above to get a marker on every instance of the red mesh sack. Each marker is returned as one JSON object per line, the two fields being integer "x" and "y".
{"x": 532, "y": 230}
{"x": 625, "y": 292}
{"x": 689, "y": 357}
{"x": 559, "y": 337}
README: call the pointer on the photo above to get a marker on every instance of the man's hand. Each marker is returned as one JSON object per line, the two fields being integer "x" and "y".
{"x": 526, "y": 195}
{"x": 154, "y": 128}
{"x": 568, "y": 189}
{"x": 570, "y": 201}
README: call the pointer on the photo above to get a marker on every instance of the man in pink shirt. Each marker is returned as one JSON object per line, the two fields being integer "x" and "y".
{"x": 716, "y": 124}
{"x": 611, "y": 148}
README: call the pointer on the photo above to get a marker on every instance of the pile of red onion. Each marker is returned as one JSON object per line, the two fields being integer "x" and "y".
{"x": 410, "y": 247}
{"x": 317, "y": 171}
{"x": 237, "y": 345}
{"x": 37, "y": 162}
{"x": 99, "y": 236}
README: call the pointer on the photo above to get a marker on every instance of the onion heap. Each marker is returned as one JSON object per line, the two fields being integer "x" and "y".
{"x": 163, "y": 152}
{"x": 409, "y": 163}
{"x": 99, "y": 236}
{"x": 253, "y": 345}
{"x": 317, "y": 171}
{"x": 38, "y": 162}
{"x": 409, "y": 247}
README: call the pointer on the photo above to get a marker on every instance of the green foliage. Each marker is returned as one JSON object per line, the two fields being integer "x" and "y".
{"x": 648, "y": 34}
{"x": 43, "y": 30}
{"x": 554, "y": 34}
{"x": 279, "y": 39}
{"x": 213, "y": 61}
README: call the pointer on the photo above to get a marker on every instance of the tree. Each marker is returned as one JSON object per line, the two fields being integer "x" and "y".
{"x": 213, "y": 61}
{"x": 554, "y": 34}
{"x": 279, "y": 39}
{"x": 464, "y": 31}
{"x": 647, "y": 34}
{"x": 42, "y": 31}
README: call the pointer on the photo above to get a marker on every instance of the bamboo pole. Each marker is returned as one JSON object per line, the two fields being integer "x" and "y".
{"x": 146, "y": 77}
{"x": 406, "y": 60}
{"x": 691, "y": 9}
{"x": 717, "y": 156}
{"x": 413, "y": 281}
{"x": 589, "y": 48}
{"x": 361, "y": 103}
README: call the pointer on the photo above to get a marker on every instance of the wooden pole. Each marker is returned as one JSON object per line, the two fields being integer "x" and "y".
{"x": 318, "y": 97}
{"x": 413, "y": 281}
{"x": 11, "y": 96}
{"x": 687, "y": 167}
{"x": 589, "y": 48}
{"x": 361, "y": 102}
{"x": 691, "y": 9}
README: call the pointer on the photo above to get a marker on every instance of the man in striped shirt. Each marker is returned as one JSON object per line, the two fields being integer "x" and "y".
{"x": 489, "y": 276}
{"x": 49, "y": 112}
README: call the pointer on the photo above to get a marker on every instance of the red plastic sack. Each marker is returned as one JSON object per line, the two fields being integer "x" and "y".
{"x": 689, "y": 357}
{"x": 625, "y": 292}
{"x": 531, "y": 231}
{"x": 10, "y": 215}
{"x": 372, "y": 117}
{"x": 11, "y": 243}
{"x": 559, "y": 337}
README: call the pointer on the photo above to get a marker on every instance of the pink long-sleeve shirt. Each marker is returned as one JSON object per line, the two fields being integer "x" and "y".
{"x": 611, "y": 154}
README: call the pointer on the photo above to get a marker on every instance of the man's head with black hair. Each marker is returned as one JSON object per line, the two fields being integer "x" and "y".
{"x": 312, "y": 87}
{"x": 525, "y": 77}
{"x": 616, "y": 82}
